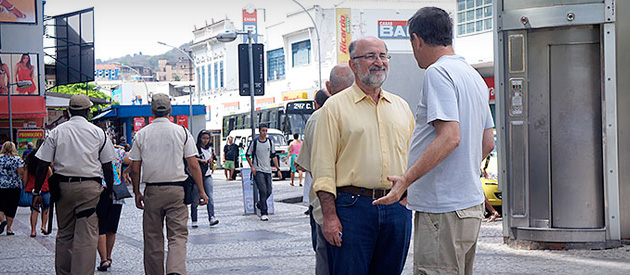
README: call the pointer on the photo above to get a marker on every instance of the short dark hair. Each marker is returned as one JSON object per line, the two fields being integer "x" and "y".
{"x": 83, "y": 112}
{"x": 296, "y": 136}
{"x": 321, "y": 96}
{"x": 433, "y": 25}
{"x": 262, "y": 125}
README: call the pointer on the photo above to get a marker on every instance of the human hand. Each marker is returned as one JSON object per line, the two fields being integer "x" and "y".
{"x": 139, "y": 201}
{"x": 332, "y": 230}
{"x": 253, "y": 171}
{"x": 203, "y": 199}
{"x": 399, "y": 186}
{"x": 37, "y": 202}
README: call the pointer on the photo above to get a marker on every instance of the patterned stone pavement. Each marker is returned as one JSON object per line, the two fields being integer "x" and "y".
{"x": 242, "y": 244}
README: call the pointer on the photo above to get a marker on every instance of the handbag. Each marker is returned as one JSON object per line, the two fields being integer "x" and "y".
{"x": 121, "y": 191}
{"x": 25, "y": 199}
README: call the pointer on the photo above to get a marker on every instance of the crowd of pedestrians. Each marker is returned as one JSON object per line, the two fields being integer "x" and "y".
{"x": 370, "y": 164}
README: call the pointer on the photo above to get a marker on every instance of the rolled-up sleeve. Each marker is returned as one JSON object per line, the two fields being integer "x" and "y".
{"x": 47, "y": 150}
{"x": 324, "y": 153}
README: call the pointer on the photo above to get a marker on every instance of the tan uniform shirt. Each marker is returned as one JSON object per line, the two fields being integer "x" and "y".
{"x": 304, "y": 160}
{"x": 74, "y": 148}
{"x": 358, "y": 142}
{"x": 160, "y": 146}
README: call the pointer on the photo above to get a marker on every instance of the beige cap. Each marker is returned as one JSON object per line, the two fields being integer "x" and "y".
{"x": 79, "y": 102}
{"x": 160, "y": 102}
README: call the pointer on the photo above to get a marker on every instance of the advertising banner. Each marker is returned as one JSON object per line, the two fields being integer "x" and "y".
{"x": 18, "y": 11}
{"x": 250, "y": 23}
{"x": 344, "y": 37}
{"x": 249, "y": 192}
{"x": 138, "y": 123}
{"x": 19, "y": 68}
{"x": 294, "y": 95}
{"x": 183, "y": 121}
{"x": 26, "y": 136}
{"x": 388, "y": 29}
{"x": 490, "y": 83}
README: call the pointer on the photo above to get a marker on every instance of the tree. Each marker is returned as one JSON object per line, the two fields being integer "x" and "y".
{"x": 80, "y": 88}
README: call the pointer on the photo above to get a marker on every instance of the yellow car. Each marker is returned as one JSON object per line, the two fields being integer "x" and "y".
{"x": 491, "y": 189}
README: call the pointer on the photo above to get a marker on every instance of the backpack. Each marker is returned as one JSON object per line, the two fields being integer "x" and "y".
{"x": 253, "y": 155}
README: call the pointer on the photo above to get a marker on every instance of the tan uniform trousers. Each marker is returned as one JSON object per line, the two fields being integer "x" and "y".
{"x": 164, "y": 202}
{"x": 77, "y": 237}
{"x": 445, "y": 243}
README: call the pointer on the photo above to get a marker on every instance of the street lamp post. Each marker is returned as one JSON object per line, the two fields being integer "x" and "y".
{"x": 229, "y": 37}
{"x": 20, "y": 84}
{"x": 146, "y": 87}
{"x": 192, "y": 63}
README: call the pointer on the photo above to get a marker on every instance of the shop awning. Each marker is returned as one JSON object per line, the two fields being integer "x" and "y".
{"x": 23, "y": 107}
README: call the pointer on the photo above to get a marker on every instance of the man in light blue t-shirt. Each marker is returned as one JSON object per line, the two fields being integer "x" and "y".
{"x": 454, "y": 132}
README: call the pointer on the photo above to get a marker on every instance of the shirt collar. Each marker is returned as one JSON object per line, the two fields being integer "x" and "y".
{"x": 75, "y": 118}
{"x": 359, "y": 95}
{"x": 161, "y": 119}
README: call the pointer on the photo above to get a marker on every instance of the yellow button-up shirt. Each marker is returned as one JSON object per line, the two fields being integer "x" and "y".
{"x": 359, "y": 142}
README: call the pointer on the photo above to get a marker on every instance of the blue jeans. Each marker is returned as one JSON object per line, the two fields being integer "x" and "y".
{"x": 207, "y": 186}
{"x": 375, "y": 237}
{"x": 263, "y": 183}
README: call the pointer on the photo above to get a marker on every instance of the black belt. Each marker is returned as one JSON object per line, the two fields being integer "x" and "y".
{"x": 372, "y": 193}
{"x": 177, "y": 183}
{"x": 63, "y": 178}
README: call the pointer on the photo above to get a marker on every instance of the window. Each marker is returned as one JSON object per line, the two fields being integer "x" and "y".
{"x": 199, "y": 77}
{"x": 301, "y": 53}
{"x": 216, "y": 75}
{"x": 221, "y": 73}
{"x": 275, "y": 64}
{"x": 209, "y": 77}
{"x": 473, "y": 16}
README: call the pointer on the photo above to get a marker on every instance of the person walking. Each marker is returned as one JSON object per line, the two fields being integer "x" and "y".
{"x": 230, "y": 157}
{"x": 110, "y": 212}
{"x": 294, "y": 150}
{"x": 159, "y": 149}
{"x": 206, "y": 161}
{"x": 259, "y": 155}
{"x": 30, "y": 170}
{"x": 362, "y": 135}
{"x": 11, "y": 173}
{"x": 341, "y": 77}
{"x": 79, "y": 150}
{"x": 454, "y": 132}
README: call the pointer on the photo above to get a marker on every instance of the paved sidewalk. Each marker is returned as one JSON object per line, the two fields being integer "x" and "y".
{"x": 242, "y": 244}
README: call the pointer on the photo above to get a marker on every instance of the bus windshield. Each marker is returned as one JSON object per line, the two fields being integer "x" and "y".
{"x": 296, "y": 123}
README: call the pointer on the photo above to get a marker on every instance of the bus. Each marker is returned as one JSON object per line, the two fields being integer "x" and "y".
{"x": 289, "y": 117}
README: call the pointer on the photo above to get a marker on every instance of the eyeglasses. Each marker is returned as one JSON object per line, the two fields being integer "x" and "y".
{"x": 373, "y": 56}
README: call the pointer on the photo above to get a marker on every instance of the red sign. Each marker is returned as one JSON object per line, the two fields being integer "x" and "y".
{"x": 183, "y": 121}
{"x": 490, "y": 83}
{"x": 31, "y": 134}
{"x": 138, "y": 123}
{"x": 250, "y": 17}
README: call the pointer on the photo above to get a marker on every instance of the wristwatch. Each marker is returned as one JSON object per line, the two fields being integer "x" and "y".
{"x": 35, "y": 193}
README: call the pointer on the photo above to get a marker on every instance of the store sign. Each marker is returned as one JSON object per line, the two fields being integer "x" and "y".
{"x": 250, "y": 23}
{"x": 490, "y": 83}
{"x": 231, "y": 106}
{"x": 294, "y": 95}
{"x": 344, "y": 34}
{"x": 26, "y": 136}
{"x": 138, "y": 123}
{"x": 183, "y": 121}
{"x": 388, "y": 29}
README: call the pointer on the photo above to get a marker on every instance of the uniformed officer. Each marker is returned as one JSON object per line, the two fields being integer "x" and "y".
{"x": 158, "y": 149}
{"x": 78, "y": 150}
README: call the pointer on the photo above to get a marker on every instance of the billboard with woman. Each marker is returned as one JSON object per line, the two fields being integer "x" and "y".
{"x": 18, "y": 11}
{"x": 16, "y": 68}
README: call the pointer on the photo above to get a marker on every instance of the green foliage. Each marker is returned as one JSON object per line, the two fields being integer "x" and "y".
{"x": 81, "y": 88}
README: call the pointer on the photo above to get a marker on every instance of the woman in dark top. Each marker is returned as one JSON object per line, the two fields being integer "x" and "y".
{"x": 11, "y": 172}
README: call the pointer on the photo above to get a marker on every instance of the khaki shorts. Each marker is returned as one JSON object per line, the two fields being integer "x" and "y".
{"x": 229, "y": 164}
{"x": 445, "y": 243}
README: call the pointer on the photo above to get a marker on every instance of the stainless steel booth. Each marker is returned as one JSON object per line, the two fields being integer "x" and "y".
{"x": 563, "y": 121}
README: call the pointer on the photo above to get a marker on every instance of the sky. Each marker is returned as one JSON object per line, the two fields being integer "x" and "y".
{"x": 134, "y": 26}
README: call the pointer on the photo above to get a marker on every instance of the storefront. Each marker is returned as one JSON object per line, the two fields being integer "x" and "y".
{"x": 27, "y": 112}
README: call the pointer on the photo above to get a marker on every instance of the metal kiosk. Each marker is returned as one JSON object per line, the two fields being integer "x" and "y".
{"x": 563, "y": 121}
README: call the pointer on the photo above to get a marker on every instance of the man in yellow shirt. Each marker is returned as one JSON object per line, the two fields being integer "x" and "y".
{"x": 362, "y": 135}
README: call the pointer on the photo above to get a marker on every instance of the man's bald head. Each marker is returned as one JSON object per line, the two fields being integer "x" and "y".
{"x": 341, "y": 77}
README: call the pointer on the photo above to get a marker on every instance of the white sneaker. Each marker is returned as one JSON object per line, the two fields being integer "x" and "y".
{"x": 194, "y": 224}
{"x": 264, "y": 218}
{"x": 213, "y": 221}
